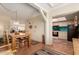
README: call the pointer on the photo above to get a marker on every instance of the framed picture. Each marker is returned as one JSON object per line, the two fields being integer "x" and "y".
{"x": 30, "y": 26}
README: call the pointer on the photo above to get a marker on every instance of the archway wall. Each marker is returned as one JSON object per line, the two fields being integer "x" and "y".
{"x": 37, "y": 27}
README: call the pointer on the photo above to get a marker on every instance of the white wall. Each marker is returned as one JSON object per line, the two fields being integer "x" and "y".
{"x": 36, "y": 32}
{"x": 4, "y": 24}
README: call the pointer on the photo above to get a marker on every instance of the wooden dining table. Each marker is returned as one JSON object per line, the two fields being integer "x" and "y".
{"x": 22, "y": 36}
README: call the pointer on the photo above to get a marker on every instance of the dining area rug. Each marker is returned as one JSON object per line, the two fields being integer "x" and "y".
{"x": 46, "y": 51}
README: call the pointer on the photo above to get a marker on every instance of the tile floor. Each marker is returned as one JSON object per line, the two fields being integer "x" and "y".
{"x": 59, "y": 45}
{"x": 62, "y": 46}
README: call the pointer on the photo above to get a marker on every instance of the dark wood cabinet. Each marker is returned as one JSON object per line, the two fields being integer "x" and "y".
{"x": 70, "y": 32}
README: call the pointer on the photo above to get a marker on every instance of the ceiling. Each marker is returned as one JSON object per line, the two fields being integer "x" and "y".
{"x": 19, "y": 11}
{"x": 29, "y": 9}
{"x": 47, "y": 6}
{"x": 24, "y": 11}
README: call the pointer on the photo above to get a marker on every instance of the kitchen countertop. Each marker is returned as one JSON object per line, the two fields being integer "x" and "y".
{"x": 76, "y": 46}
